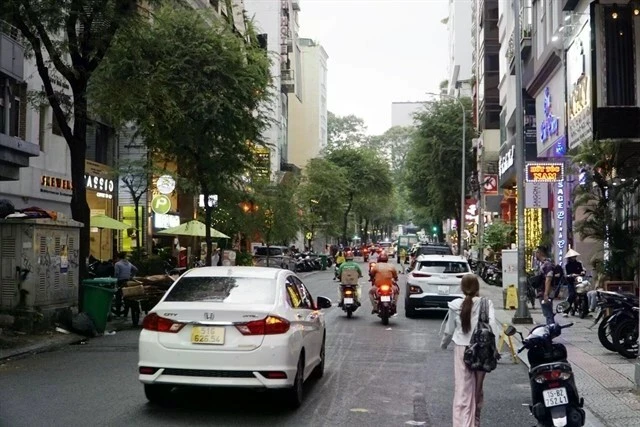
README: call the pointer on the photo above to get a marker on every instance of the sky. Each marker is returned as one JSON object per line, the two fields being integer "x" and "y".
{"x": 380, "y": 51}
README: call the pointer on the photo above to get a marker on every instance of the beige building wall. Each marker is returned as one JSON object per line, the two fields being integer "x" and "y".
{"x": 308, "y": 113}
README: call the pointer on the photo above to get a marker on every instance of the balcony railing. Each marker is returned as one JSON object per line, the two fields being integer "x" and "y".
{"x": 287, "y": 80}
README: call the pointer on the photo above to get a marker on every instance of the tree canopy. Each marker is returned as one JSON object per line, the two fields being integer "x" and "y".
{"x": 345, "y": 132}
{"x": 194, "y": 89}
{"x": 434, "y": 160}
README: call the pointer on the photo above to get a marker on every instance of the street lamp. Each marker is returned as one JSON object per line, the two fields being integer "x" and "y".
{"x": 463, "y": 192}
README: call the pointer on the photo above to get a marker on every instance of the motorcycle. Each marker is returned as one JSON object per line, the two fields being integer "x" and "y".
{"x": 555, "y": 398}
{"x": 349, "y": 299}
{"x": 581, "y": 304}
{"x": 623, "y": 307}
{"x": 386, "y": 305}
{"x": 365, "y": 254}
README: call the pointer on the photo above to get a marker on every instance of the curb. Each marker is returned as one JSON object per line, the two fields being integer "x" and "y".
{"x": 40, "y": 347}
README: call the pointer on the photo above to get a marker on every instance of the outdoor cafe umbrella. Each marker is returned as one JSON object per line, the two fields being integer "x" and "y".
{"x": 103, "y": 221}
{"x": 195, "y": 229}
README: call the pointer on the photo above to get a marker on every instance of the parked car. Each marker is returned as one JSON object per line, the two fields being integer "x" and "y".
{"x": 434, "y": 282}
{"x": 279, "y": 257}
{"x": 251, "y": 327}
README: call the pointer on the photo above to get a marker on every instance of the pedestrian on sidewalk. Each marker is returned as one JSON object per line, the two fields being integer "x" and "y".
{"x": 459, "y": 326}
{"x": 544, "y": 283}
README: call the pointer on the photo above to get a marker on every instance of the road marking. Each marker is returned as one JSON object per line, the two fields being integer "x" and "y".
{"x": 416, "y": 423}
{"x": 362, "y": 410}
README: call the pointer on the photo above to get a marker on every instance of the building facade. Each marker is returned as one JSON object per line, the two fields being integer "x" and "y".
{"x": 308, "y": 113}
{"x": 278, "y": 20}
{"x": 459, "y": 69}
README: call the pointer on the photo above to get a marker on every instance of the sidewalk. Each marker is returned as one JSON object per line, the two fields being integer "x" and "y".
{"x": 25, "y": 345}
{"x": 604, "y": 379}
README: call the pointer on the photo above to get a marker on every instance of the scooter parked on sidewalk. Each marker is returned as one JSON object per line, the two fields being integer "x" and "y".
{"x": 554, "y": 394}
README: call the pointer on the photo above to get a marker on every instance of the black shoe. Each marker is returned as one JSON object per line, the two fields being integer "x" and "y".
{"x": 340, "y": 304}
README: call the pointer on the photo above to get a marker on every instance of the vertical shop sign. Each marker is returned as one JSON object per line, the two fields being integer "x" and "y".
{"x": 561, "y": 222}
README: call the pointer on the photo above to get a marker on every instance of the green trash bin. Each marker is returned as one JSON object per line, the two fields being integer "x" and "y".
{"x": 96, "y": 302}
{"x": 102, "y": 282}
{"x": 323, "y": 262}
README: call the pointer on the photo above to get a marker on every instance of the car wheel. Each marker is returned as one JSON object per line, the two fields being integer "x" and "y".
{"x": 295, "y": 394}
{"x": 157, "y": 393}
{"x": 318, "y": 372}
{"x": 409, "y": 312}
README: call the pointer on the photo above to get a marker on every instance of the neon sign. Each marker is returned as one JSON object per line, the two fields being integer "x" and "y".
{"x": 561, "y": 222}
{"x": 550, "y": 124}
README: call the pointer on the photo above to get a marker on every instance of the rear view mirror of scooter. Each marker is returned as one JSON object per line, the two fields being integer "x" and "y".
{"x": 511, "y": 331}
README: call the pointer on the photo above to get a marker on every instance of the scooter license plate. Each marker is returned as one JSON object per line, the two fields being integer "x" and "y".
{"x": 348, "y": 300}
{"x": 555, "y": 397}
{"x": 385, "y": 298}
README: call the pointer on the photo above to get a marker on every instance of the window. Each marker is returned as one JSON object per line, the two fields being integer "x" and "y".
{"x": 619, "y": 59}
{"x": 298, "y": 295}
{"x": 227, "y": 290}
{"x": 14, "y": 124}
{"x": 42, "y": 125}
{"x": 307, "y": 299}
{"x": 103, "y": 136}
{"x": 444, "y": 267}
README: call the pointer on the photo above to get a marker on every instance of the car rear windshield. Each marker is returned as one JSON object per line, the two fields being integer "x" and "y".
{"x": 272, "y": 251}
{"x": 434, "y": 250}
{"x": 228, "y": 290}
{"x": 386, "y": 244}
{"x": 444, "y": 267}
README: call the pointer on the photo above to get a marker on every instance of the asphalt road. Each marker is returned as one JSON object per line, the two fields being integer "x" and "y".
{"x": 375, "y": 375}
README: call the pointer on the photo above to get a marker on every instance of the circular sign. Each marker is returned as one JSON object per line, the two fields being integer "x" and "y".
{"x": 161, "y": 204}
{"x": 166, "y": 184}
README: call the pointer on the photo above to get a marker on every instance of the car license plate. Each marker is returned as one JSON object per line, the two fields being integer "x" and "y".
{"x": 385, "y": 298}
{"x": 348, "y": 300}
{"x": 443, "y": 290}
{"x": 555, "y": 397}
{"x": 207, "y": 335}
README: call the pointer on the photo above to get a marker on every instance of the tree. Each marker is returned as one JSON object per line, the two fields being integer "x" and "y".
{"x": 136, "y": 175}
{"x": 394, "y": 145}
{"x": 69, "y": 40}
{"x": 196, "y": 92}
{"x": 345, "y": 132}
{"x": 608, "y": 205}
{"x": 435, "y": 158}
{"x": 323, "y": 188}
{"x": 497, "y": 235}
{"x": 366, "y": 174}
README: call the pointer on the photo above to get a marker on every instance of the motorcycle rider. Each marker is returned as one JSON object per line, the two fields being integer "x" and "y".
{"x": 348, "y": 265}
{"x": 573, "y": 268}
{"x": 383, "y": 273}
{"x": 340, "y": 259}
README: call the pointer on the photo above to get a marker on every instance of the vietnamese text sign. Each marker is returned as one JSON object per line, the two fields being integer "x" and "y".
{"x": 544, "y": 172}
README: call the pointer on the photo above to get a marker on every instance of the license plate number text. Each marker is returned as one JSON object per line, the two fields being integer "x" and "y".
{"x": 555, "y": 397}
{"x": 207, "y": 335}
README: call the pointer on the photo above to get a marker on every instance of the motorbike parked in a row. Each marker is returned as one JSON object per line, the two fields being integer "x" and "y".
{"x": 555, "y": 398}
{"x": 618, "y": 318}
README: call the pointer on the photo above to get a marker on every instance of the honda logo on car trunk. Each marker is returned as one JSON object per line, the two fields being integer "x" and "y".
{"x": 209, "y": 316}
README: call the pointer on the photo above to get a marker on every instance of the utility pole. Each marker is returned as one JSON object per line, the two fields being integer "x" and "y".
{"x": 522, "y": 313}
{"x": 481, "y": 200}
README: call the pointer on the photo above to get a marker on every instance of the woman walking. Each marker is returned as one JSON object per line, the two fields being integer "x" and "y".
{"x": 459, "y": 327}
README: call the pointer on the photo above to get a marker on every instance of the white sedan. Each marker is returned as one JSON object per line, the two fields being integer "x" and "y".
{"x": 233, "y": 327}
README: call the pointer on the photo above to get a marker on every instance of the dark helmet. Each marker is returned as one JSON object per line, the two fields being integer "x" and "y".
{"x": 383, "y": 257}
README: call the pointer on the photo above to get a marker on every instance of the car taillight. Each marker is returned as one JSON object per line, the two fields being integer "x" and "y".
{"x": 415, "y": 289}
{"x": 146, "y": 370}
{"x": 416, "y": 274}
{"x": 270, "y": 325}
{"x": 554, "y": 375}
{"x": 153, "y": 322}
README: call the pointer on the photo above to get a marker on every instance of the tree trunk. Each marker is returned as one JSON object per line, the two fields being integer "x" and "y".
{"x": 365, "y": 234}
{"x": 345, "y": 221}
{"x": 136, "y": 207}
{"x": 208, "y": 212}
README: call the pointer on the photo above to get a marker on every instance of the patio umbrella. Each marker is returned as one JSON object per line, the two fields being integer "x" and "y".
{"x": 195, "y": 229}
{"x": 103, "y": 221}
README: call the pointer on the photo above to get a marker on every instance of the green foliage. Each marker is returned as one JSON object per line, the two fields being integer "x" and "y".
{"x": 322, "y": 191}
{"x": 608, "y": 206}
{"x": 497, "y": 235}
{"x": 276, "y": 218}
{"x": 244, "y": 258}
{"x": 196, "y": 92}
{"x": 433, "y": 162}
{"x": 367, "y": 180}
{"x": 345, "y": 132}
{"x": 393, "y": 146}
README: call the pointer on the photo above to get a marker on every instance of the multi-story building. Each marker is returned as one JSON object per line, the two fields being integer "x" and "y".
{"x": 279, "y": 21}
{"x": 485, "y": 51}
{"x": 308, "y": 113}
{"x": 459, "y": 69}
{"x": 31, "y": 131}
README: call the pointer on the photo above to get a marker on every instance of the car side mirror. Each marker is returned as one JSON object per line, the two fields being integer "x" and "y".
{"x": 510, "y": 331}
{"x": 323, "y": 302}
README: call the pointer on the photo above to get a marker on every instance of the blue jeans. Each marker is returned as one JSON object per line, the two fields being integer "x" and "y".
{"x": 547, "y": 311}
